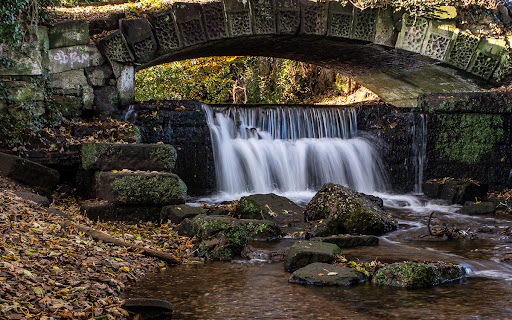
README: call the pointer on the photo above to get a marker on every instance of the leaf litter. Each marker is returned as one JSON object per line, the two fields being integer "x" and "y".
{"x": 48, "y": 271}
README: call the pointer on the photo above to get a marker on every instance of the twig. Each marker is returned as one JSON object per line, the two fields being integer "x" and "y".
{"x": 428, "y": 224}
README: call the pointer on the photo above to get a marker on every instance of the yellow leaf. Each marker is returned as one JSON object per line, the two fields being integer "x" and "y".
{"x": 114, "y": 171}
{"x": 320, "y": 274}
{"x": 125, "y": 269}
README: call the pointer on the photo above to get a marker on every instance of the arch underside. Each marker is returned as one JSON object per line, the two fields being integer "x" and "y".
{"x": 396, "y": 56}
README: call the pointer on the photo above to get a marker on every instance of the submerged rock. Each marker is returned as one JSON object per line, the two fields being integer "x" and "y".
{"x": 261, "y": 254}
{"x": 349, "y": 241}
{"x": 306, "y": 252}
{"x": 325, "y": 274}
{"x": 417, "y": 275}
{"x": 269, "y": 207}
{"x": 343, "y": 210}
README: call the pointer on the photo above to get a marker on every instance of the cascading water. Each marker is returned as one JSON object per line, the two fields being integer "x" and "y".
{"x": 291, "y": 149}
{"x": 419, "y": 144}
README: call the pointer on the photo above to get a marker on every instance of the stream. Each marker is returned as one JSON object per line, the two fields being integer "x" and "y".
{"x": 254, "y": 289}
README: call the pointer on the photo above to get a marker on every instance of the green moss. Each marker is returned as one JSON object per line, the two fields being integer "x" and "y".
{"x": 467, "y": 137}
{"x": 165, "y": 154}
{"x": 149, "y": 189}
{"x": 408, "y": 275}
{"x": 248, "y": 208}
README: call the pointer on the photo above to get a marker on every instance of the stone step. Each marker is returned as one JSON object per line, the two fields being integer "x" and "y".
{"x": 106, "y": 211}
{"x": 146, "y": 157}
{"x": 29, "y": 172}
{"x": 140, "y": 188}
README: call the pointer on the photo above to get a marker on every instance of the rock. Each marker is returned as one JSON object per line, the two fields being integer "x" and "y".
{"x": 97, "y": 76}
{"x": 28, "y": 172}
{"x": 105, "y": 211}
{"x": 28, "y": 57}
{"x": 349, "y": 241}
{"x": 185, "y": 228}
{"x": 454, "y": 190}
{"x": 30, "y": 196}
{"x": 219, "y": 237}
{"x": 140, "y": 188}
{"x": 303, "y": 253}
{"x": 259, "y": 230}
{"x": 69, "y": 33}
{"x": 76, "y": 57}
{"x": 180, "y": 212}
{"x": 258, "y": 254}
{"x": 417, "y": 275}
{"x": 269, "y": 207}
{"x": 473, "y": 208}
{"x": 344, "y": 210}
{"x": 149, "y": 308}
{"x": 106, "y": 157}
{"x": 324, "y": 274}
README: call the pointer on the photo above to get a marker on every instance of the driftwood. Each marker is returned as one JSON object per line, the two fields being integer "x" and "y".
{"x": 98, "y": 235}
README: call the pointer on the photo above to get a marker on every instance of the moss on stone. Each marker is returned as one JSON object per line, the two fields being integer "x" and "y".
{"x": 149, "y": 189}
{"x": 164, "y": 154}
{"x": 467, "y": 137}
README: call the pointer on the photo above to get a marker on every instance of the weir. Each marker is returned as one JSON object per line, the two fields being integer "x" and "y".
{"x": 291, "y": 149}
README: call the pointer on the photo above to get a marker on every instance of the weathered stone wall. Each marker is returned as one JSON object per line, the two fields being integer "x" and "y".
{"x": 78, "y": 77}
{"x": 470, "y": 136}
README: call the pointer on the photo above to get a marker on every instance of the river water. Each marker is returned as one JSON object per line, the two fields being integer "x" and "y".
{"x": 252, "y": 289}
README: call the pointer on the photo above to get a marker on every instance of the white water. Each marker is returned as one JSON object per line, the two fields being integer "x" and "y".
{"x": 291, "y": 150}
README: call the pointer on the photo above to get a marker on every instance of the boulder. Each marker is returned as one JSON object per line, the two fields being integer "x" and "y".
{"x": 178, "y": 213}
{"x": 417, "y": 275}
{"x": 306, "y": 252}
{"x": 33, "y": 174}
{"x": 259, "y": 230}
{"x": 140, "y": 188}
{"x": 324, "y": 274}
{"x": 456, "y": 191}
{"x": 219, "y": 237}
{"x": 350, "y": 241}
{"x": 105, "y": 211}
{"x": 474, "y": 208}
{"x": 269, "y": 207}
{"x": 109, "y": 156}
{"x": 343, "y": 210}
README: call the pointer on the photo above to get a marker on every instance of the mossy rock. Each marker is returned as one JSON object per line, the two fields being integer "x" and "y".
{"x": 219, "y": 237}
{"x": 140, "y": 188}
{"x": 111, "y": 156}
{"x": 343, "y": 210}
{"x": 259, "y": 230}
{"x": 324, "y": 274}
{"x": 306, "y": 252}
{"x": 415, "y": 275}
{"x": 269, "y": 207}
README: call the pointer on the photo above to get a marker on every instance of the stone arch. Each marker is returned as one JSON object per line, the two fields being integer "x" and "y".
{"x": 397, "y": 56}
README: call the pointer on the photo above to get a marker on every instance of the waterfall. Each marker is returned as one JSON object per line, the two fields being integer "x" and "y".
{"x": 419, "y": 144}
{"x": 291, "y": 149}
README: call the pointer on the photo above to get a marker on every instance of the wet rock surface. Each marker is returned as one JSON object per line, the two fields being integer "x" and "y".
{"x": 415, "y": 275}
{"x": 269, "y": 207}
{"x": 349, "y": 241}
{"x": 343, "y": 210}
{"x": 456, "y": 191}
{"x": 306, "y": 252}
{"x": 324, "y": 274}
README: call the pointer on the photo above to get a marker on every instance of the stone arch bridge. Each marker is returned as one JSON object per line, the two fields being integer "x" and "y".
{"x": 397, "y": 56}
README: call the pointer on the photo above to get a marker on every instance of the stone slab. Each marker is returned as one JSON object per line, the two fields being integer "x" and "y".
{"x": 149, "y": 157}
{"x": 105, "y": 211}
{"x": 127, "y": 188}
{"x": 28, "y": 172}
{"x": 69, "y": 34}
{"x": 306, "y": 252}
{"x": 324, "y": 274}
{"x": 76, "y": 57}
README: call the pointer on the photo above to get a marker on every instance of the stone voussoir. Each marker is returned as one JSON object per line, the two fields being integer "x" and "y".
{"x": 144, "y": 188}
{"x": 146, "y": 157}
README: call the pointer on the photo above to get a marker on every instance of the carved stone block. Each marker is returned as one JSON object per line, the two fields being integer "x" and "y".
{"x": 213, "y": 20}
{"x": 263, "y": 16}
{"x": 314, "y": 17}
{"x": 365, "y": 24}
{"x": 339, "y": 22}
{"x": 414, "y": 31}
{"x": 462, "y": 49}
{"x": 385, "y": 32}
{"x": 114, "y": 46}
{"x": 190, "y": 22}
{"x": 166, "y": 32}
{"x": 140, "y": 38}
{"x": 487, "y": 57}
{"x": 288, "y": 16}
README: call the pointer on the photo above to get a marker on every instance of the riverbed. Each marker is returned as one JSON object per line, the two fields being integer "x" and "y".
{"x": 254, "y": 289}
